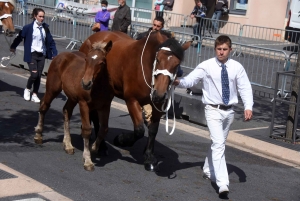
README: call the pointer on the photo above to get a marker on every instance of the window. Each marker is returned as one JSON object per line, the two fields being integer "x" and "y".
{"x": 238, "y": 7}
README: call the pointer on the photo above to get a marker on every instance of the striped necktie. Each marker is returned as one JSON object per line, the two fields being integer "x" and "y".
{"x": 43, "y": 40}
{"x": 225, "y": 85}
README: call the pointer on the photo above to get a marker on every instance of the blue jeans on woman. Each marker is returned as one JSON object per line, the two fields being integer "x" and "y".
{"x": 216, "y": 16}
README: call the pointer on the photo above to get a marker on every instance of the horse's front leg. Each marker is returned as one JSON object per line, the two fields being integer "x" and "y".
{"x": 45, "y": 105}
{"x": 67, "y": 113}
{"x": 150, "y": 161}
{"x": 128, "y": 139}
{"x": 86, "y": 131}
{"x": 103, "y": 116}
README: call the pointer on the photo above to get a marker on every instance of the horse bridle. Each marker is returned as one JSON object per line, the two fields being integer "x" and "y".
{"x": 171, "y": 87}
{"x": 164, "y": 72}
{"x": 6, "y": 15}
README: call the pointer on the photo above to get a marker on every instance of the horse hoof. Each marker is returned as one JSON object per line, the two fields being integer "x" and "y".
{"x": 38, "y": 141}
{"x": 70, "y": 151}
{"x": 151, "y": 167}
{"x": 123, "y": 143}
{"x": 89, "y": 167}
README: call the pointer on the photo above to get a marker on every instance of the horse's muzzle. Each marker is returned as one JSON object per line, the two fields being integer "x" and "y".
{"x": 87, "y": 86}
{"x": 156, "y": 98}
{"x": 9, "y": 33}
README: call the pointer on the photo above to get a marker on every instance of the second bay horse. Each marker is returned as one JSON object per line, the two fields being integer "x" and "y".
{"x": 6, "y": 9}
{"x": 67, "y": 72}
{"x": 137, "y": 69}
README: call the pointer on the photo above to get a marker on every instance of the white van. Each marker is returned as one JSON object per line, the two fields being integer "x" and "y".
{"x": 292, "y": 33}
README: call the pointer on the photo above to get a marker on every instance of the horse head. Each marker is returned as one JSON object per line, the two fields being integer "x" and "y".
{"x": 95, "y": 60}
{"x": 6, "y": 9}
{"x": 167, "y": 60}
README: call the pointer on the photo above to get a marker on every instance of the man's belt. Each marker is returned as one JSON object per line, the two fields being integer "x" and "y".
{"x": 222, "y": 107}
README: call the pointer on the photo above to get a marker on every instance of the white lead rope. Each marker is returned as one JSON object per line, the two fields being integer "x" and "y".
{"x": 7, "y": 59}
{"x": 170, "y": 92}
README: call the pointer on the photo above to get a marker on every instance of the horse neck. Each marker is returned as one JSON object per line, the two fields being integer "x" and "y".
{"x": 151, "y": 49}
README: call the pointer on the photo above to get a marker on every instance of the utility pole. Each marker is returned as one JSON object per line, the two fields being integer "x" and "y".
{"x": 294, "y": 98}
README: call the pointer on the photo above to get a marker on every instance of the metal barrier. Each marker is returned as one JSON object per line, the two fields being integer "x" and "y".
{"x": 173, "y": 21}
{"x": 261, "y": 64}
{"x": 278, "y": 127}
{"x": 268, "y": 37}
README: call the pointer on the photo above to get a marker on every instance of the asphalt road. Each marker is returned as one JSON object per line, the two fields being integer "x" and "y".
{"x": 121, "y": 175}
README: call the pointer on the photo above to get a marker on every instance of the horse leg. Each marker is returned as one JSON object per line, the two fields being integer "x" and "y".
{"x": 86, "y": 131}
{"x": 150, "y": 161}
{"x": 67, "y": 113}
{"x": 50, "y": 94}
{"x": 128, "y": 139}
{"x": 100, "y": 145}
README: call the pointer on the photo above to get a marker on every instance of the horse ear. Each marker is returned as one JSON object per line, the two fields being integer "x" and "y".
{"x": 108, "y": 46}
{"x": 186, "y": 45}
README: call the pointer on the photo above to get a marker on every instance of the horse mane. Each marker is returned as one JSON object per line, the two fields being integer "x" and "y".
{"x": 175, "y": 47}
{"x": 99, "y": 46}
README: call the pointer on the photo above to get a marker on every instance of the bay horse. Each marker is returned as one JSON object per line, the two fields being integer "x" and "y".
{"x": 140, "y": 72}
{"x": 6, "y": 9}
{"x": 66, "y": 72}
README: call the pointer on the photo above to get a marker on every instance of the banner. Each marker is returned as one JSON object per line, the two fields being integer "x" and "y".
{"x": 78, "y": 8}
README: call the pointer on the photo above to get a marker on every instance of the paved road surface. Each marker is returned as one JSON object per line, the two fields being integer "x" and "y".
{"x": 121, "y": 176}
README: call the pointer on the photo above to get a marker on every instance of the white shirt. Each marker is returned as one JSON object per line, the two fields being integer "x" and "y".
{"x": 37, "y": 43}
{"x": 209, "y": 72}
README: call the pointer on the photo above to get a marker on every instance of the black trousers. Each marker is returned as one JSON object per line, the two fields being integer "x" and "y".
{"x": 37, "y": 64}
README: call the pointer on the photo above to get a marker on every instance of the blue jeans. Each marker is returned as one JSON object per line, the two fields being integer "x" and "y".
{"x": 216, "y": 16}
{"x": 197, "y": 28}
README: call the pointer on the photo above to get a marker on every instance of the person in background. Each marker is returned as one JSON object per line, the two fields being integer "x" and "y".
{"x": 158, "y": 25}
{"x": 103, "y": 16}
{"x": 38, "y": 45}
{"x": 159, "y": 7}
{"x": 217, "y": 14}
{"x": 198, "y": 12}
{"x": 122, "y": 18}
{"x": 168, "y": 7}
{"x": 222, "y": 78}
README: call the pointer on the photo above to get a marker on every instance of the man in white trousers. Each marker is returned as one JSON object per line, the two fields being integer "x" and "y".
{"x": 222, "y": 78}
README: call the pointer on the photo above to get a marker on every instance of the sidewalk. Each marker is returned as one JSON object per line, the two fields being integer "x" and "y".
{"x": 16, "y": 186}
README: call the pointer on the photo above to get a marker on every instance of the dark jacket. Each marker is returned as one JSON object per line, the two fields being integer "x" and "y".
{"x": 26, "y": 33}
{"x": 143, "y": 34}
{"x": 197, "y": 11}
{"x": 220, "y": 4}
{"x": 122, "y": 19}
{"x": 168, "y": 6}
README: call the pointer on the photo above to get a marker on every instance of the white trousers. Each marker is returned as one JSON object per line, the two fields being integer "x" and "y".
{"x": 218, "y": 122}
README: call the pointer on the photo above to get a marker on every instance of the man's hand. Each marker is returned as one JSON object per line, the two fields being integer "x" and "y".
{"x": 192, "y": 16}
{"x": 248, "y": 115}
{"x": 176, "y": 82}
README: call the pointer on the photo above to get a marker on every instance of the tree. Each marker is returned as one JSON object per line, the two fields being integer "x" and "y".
{"x": 294, "y": 98}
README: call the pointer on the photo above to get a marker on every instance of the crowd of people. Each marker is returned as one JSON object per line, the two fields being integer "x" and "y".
{"x": 223, "y": 77}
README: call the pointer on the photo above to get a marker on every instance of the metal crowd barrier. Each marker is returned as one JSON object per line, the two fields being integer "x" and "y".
{"x": 261, "y": 64}
{"x": 266, "y": 34}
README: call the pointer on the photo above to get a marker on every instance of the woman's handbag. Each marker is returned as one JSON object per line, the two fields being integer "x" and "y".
{"x": 157, "y": 7}
{"x": 96, "y": 27}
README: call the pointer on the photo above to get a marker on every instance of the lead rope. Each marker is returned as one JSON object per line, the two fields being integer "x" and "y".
{"x": 170, "y": 98}
{"x": 8, "y": 58}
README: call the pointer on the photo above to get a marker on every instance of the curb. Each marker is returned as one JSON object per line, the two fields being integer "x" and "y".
{"x": 23, "y": 185}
